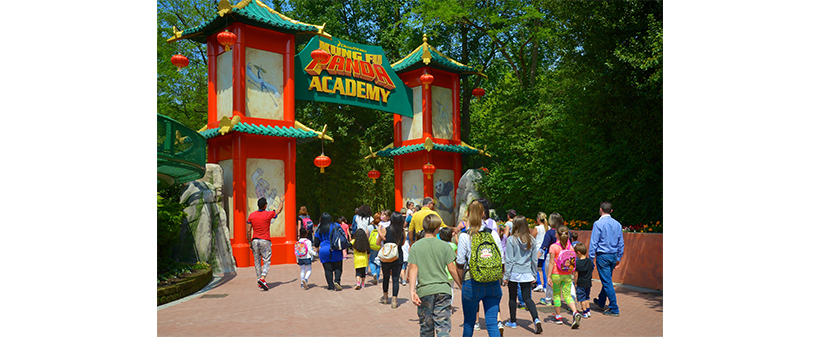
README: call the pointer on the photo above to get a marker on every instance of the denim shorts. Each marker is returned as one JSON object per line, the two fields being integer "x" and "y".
{"x": 582, "y": 293}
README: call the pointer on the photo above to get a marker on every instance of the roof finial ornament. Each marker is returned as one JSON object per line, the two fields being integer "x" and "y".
{"x": 425, "y": 38}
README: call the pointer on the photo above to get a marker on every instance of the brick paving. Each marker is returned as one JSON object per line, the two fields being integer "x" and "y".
{"x": 234, "y": 306}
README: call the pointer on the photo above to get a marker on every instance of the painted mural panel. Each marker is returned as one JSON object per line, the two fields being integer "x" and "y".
{"x": 266, "y": 179}
{"x": 411, "y": 128}
{"x": 224, "y": 85}
{"x": 264, "y": 84}
{"x": 227, "y": 190}
{"x": 442, "y": 112}
{"x": 412, "y": 188}
{"x": 445, "y": 193}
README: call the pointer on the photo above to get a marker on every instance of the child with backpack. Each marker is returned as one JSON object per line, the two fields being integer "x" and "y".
{"x": 361, "y": 251}
{"x": 479, "y": 260}
{"x": 343, "y": 222}
{"x": 521, "y": 261}
{"x": 304, "y": 256}
{"x": 560, "y": 270}
{"x": 583, "y": 278}
{"x": 303, "y": 220}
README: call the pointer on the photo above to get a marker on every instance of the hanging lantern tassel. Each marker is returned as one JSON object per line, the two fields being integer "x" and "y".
{"x": 374, "y": 174}
{"x": 226, "y": 39}
{"x": 429, "y": 169}
{"x": 322, "y": 161}
{"x": 180, "y": 61}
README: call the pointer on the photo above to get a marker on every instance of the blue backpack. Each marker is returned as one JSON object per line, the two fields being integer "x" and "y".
{"x": 338, "y": 239}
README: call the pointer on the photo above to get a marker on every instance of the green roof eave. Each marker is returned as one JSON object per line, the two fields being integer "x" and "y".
{"x": 397, "y": 151}
{"x": 250, "y": 12}
{"x": 264, "y": 130}
{"x": 419, "y": 58}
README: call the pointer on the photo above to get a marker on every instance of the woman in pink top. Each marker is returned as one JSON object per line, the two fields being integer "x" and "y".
{"x": 561, "y": 281}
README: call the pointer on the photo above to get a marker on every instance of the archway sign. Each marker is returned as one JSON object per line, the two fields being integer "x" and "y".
{"x": 354, "y": 74}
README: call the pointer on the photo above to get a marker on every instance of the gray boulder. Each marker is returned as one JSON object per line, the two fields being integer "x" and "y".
{"x": 204, "y": 232}
{"x": 467, "y": 191}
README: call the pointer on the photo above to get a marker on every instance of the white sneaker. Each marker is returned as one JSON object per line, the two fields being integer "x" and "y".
{"x": 538, "y": 288}
{"x": 477, "y": 327}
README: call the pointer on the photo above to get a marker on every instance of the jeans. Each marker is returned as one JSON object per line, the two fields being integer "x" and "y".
{"x": 489, "y": 293}
{"x": 374, "y": 268}
{"x": 606, "y": 264}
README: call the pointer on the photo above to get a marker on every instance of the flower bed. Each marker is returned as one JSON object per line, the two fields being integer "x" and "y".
{"x": 649, "y": 227}
{"x": 184, "y": 285}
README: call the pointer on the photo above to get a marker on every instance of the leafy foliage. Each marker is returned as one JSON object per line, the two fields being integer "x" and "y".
{"x": 169, "y": 217}
{"x": 572, "y": 115}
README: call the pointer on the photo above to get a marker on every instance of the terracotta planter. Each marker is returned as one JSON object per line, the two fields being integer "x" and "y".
{"x": 642, "y": 263}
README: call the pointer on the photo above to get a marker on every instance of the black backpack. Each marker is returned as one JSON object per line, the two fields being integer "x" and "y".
{"x": 338, "y": 239}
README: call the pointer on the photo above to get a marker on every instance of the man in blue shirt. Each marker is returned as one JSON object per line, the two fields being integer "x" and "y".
{"x": 606, "y": 247}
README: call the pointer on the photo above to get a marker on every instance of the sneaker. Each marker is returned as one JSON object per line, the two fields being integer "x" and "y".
{"x": 511, "y": 325}
{"x": 403, "y": 282}
{"x": 337, "y": 286}
{"x": 375, "y": 281}
{"x": 538, "y": 288}
{"x": 395, "y": 303}
{"x": 538, "y": 328}
{"x": 358, "y": 285}
{"x": 501, "y": 329}
{"x": 262, "y": 284}
{"x": 383, "y": 300}
{"x": 586, "y": 315}
{"x": 304, "y": 284}
{"x": 544, "y": 302}
{"x": 477, "y": 327}
{"x": 576, "y": 320}
{"x": 556, "y": 320}
{"x": 610, "y": 313}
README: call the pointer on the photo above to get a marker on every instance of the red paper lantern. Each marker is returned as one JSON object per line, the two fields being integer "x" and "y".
{"x": 374, "y": 174}
{"x": 428, "y": 169}
{"x": 226, "y": 39}
{"x": 426, "y": 79}
{"x": 320, "y": 55}
{"x": 180, "y": 61}
{"x": 322, "y": 161}
{"x": 478, "y": 92}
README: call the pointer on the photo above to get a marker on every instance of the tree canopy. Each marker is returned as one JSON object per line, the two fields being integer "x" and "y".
{"x": 572, "y": 115}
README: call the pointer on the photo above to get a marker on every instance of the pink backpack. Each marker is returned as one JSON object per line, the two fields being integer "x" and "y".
{"x": 301, "y": 249}
{"x": 566, "y": 258}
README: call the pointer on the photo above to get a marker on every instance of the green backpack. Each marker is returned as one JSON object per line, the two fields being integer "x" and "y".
{"x": 485, "y": 258}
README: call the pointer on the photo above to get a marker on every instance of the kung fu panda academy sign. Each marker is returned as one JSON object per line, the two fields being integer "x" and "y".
{"x": 354, "y": 74}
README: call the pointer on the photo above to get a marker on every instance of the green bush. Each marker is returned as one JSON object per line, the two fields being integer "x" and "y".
{"x": 169, "y": 217}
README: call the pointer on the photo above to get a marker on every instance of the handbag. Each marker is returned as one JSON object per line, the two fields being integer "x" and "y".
{"x": 389, "y": 252}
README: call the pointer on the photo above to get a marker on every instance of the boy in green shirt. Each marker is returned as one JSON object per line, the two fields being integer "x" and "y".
{"x": 429, "y": 262}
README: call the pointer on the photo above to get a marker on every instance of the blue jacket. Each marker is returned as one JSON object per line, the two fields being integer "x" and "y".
{"x": 607, "y": 237}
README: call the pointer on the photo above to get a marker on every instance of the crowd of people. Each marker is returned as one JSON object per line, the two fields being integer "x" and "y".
{"x": 478, "y": 255}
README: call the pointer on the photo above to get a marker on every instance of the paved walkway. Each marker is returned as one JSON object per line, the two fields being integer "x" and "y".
{"x": 233, "y": 306}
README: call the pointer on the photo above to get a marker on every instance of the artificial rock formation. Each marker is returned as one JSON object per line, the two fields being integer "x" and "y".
{"x": 467, "y": 191}
{"x": 204, "y": 232}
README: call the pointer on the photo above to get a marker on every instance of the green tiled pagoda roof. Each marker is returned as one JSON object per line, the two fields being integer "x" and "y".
{"x": 273, "y": 131}
{"x": 250, "y": 12}
{"x": 397, "y": 151}
{"x": 426, "y": 55}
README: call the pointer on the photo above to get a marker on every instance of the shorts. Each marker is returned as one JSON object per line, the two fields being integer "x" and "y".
{"x": 404, "y": 266}
{"x": 582, "y": 293}
{"x": 360, "y": 272}
{"x": 304, "y": 262}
